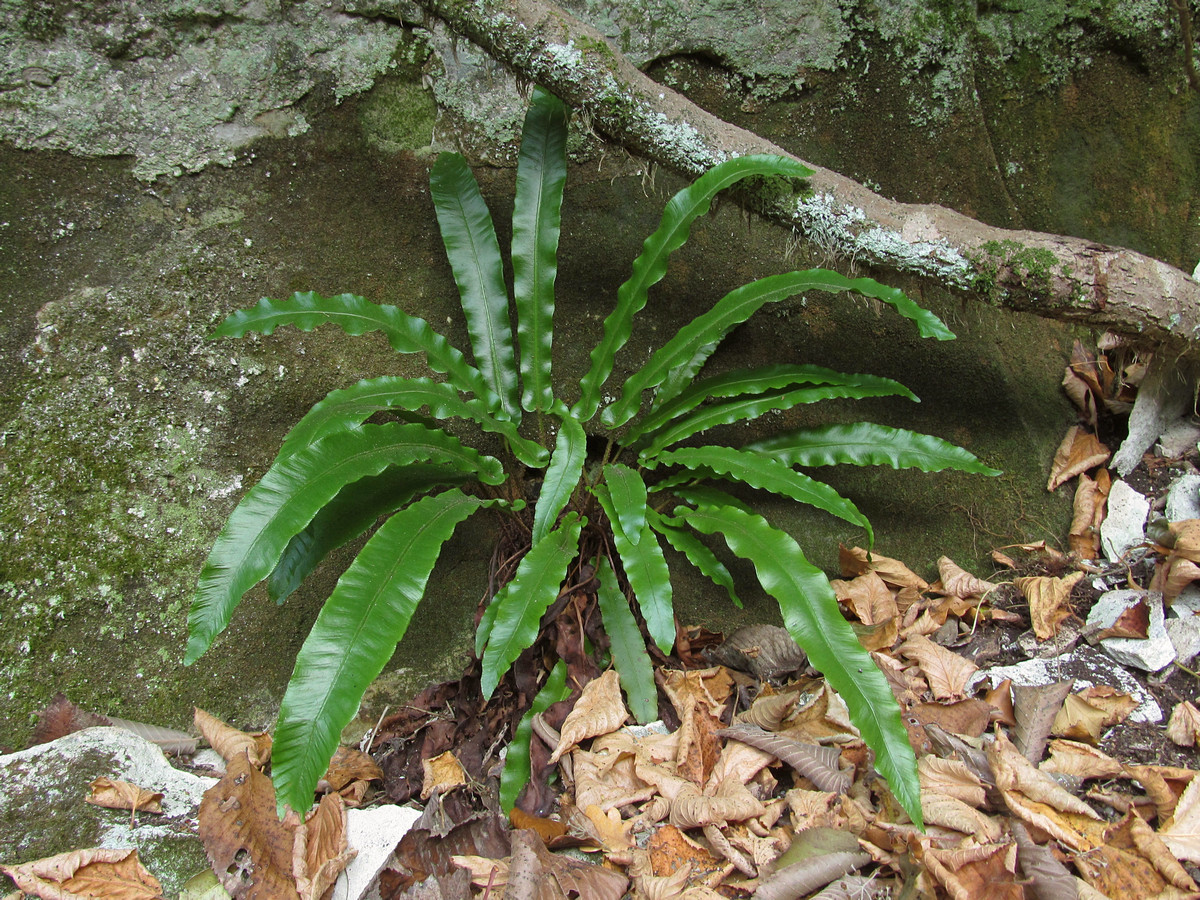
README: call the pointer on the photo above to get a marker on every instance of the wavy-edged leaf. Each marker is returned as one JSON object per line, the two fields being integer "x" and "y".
{"x": 354, "y": 636}
{"x": 646, "y": 571}
{"x": 356, "y": 508}
{"x": 697, "y": 554}
{"x": 474, "y": 254}
{"x": 356, "y": 315}
{"x": 537, "y": 213}
{"x": 742, "y": 382}
{"x": 289, "y": 495}
{"x": 517, "y": 768}
{"x": 521, "y": 603}
{"x": 651, "y": 263}
{"x": 354, "y": 405}
{"x": 673, "y": 366}
{"x": 868, "y": 444}
{"x": 562, "y": 476}
{"x": 768, "y": 474}
{"x": 629, "y": 655}
{"x": 753, "y": 406}
{"x": 628, "y": 493}
{"x": 811, "y": 615}
{"x": 703, "y": 495}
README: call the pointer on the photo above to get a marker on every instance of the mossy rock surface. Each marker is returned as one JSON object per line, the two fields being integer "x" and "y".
{"x": 127, "y": 437}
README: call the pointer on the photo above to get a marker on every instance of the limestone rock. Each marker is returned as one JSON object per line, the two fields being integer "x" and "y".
{"x": 1151, "y": 653}
{"x": 43, "y": 809}
{"x": 1125, "y": 525}
{"x": 1183, "y": 498}
{"x": 1088, "y": 666}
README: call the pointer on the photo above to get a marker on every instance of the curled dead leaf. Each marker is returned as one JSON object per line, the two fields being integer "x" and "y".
{"x": 947, "y": 672}
{"x": 1182, "y": 833}
{"x": 958, "y": 582}
{"x": 1079, "y": 452}
{"x": 856, "y": 561}
{"x": 117, "y": 794}
{"x": 868, "y": 597}
{"x": 598, "y": 710}
{"x": 1048, "y": 601}
{"x": 442, "y": 773}
{"x": 93, "y": 874}
{"x": 230, "y": 742}
{"x": 1184, "y": 725}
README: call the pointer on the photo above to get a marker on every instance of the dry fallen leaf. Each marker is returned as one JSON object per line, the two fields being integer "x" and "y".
{"x": 1080, "y": 761}
{"x": 117, "y": 794}
{"x": 856, "y": 561}
{"x": 598, "y": 710}
{"x": 868, "y": 597}
{"x": 947, "y": 672}
{"x": 1091, "y": 496}
{"x": 958, "y": 582}
{"x": 320, "y": 850}
{"x": 1079, "y": 451}
{"x": 247, "y": 845}
{"x": 230, "y": 743}
{"x": 1182, "y": 833}
{"x": 1184, "y": 726}
{"x": 348, "y": 766}
{"x": 1048, "y": 601}
{"x": 96, "y": 874}
{"x": 442, "y": 773}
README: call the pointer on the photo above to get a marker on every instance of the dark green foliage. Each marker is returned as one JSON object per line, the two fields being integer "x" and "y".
{"x": 335, "y": 476}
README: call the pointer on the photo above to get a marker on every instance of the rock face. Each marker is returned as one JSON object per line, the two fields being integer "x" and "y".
{"x": 126, "y": 436}
{"x": 43, "y": 810}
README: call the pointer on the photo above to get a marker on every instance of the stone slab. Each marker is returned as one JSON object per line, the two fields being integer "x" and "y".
{"x": 1088, "y": 666}
{"x": 1152, "y": 653}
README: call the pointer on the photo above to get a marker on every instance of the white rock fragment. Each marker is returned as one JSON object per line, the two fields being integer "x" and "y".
{"x": 374, "y": 833}
{"x": 1185, "y": 636}
{"x": 1180, "y": 437}
{"x": 1151, "y": 653}
{"x": 1087, "y": 666}
{"x": 1124, "y": 526}
{"x": 1183, "y": 498}
{"x": 43, "y": 810}
{"x": 1188, "y": 602}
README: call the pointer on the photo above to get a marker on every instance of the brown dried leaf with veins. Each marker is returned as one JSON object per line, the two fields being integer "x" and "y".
{"x": 1079, "y": 720}
{"x": 732, "y": 802}
{"x": 320, "y": 850}
{"x": 950, "y": 812}
{"x": 1048, "y": 601}
{"x": 247, "y": 845}
{"x": 1035, "y": 708}
{"x": 958, "y": 582}
{"x": 987, "y": 870}
{"x": 951, "y": 777}
{"x": 868, "y": 597}
{"x": 1177, "y": 574}
{"x": 946, "y": 672}
{"x": 1184, "y": 725}
{"x": 1079, "y": 452}
{"x": 1091, "y": 496}
{"x": 348, "y": 766}
{"x": 1182, "y": 833}
{"x": 609, "y": 830}
{"x": 818, "y": 764}
{"x": 1034, "y": 797}
{"x": 116, "y": 794}
{"x": 738, "y": 761}
{"x": 441, "y": 773}
{"x": 1151, "y": 846}
{"x": 598, "y": 710}
{"x": 230, "y": 742}
{"x": 856, "y": 561}
{"x": 1080, "y": 761}
{"x": 94, "y": 874}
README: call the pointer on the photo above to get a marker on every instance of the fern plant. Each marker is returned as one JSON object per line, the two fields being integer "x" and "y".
{"x": 336, "y": 476}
